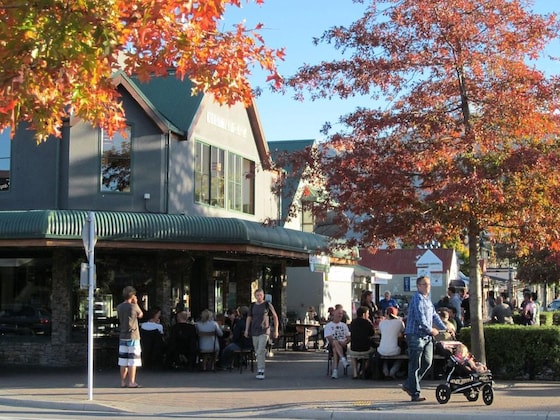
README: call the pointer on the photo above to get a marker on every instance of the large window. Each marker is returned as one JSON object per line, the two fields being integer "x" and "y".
{"x": 5, "y": 159}
{"x": 25, "y": 297}
{"x": 116, "y": 161}
{"x": 241, "y": 184}
{"x": 307, "y": 217}
{"x": 214, "y": 182}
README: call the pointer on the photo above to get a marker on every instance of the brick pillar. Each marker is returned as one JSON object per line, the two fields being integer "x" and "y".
{"x": 245, "y": 275}
{"x": 61, "y": 298}
{"x": 163, "y": 288}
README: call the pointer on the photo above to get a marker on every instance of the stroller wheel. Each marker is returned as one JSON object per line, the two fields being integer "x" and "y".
{"x": 443, "y": 393}
{"x": 487, "y": 394}
{"x": 472, "y": 395}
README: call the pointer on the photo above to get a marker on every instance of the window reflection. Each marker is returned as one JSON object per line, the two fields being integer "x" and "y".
{"x": 5, "y": 159}
{"x": 115, "y": 161}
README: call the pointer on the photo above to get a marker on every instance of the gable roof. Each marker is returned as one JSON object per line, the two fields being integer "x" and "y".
{"x": 165, "y": 124}
{"x": 293, "y": 178}
{"x": 172, "y": 97}
{"x": 171, "y": 105}
{"x": 402, "y": 261}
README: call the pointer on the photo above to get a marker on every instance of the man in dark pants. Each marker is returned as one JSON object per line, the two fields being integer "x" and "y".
{"x": 419, "y": 334}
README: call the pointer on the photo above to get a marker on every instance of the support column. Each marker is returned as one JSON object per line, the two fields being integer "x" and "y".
{"x": 61, "y": 298}
{"x": 61, "y": 305}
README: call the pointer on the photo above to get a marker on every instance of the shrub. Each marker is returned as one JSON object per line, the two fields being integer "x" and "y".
{"x": 515, "y": 351}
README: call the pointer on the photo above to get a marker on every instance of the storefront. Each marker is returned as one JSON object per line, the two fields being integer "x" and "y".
{"x": 171, "y": 260}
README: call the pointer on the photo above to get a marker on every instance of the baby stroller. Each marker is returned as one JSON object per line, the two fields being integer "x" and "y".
{"x": 461, "y": 379}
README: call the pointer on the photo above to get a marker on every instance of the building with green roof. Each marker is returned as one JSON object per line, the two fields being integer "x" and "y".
{"x": 181, "y": 204}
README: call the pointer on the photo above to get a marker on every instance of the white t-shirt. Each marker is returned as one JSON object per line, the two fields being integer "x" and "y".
{"x": 339, "y": 331}
{"x": 390, "y": 329}
{"x": 150, "y": 326}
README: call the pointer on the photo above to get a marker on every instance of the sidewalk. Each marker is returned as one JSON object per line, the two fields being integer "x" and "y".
{"x": 296, "y": 386}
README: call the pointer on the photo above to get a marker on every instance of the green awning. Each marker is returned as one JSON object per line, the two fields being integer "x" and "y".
{"x": 142, "y": 228}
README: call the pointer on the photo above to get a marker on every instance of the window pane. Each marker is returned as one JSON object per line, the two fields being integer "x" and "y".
{"x": 217, "y": 182}
{"x": 115, "y": 161}
{"x": 216, "y": 177}
{"x": 5, "y": 159}
{"x": 202, "y": 173}
{"x": 234, "y": 182}
{"x": 248, "y": 186}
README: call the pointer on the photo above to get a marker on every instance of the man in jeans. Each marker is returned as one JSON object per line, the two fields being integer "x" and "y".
{"x": 258, "y": 324}
{"x": 419, "y": 334}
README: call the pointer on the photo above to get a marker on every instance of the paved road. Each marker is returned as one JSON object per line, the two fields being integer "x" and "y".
{"x": 296, "y": 387}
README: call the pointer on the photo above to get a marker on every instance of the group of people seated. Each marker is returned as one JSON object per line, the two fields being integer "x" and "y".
{"x": 186, "y": 340}
{"x": 357, "y": 339}
{"x": 381, "y": 332}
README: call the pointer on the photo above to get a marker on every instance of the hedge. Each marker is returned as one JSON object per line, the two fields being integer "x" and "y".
{"x": 520, "y": 352}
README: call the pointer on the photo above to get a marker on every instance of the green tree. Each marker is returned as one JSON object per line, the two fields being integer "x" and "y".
{"x": 460, "y": 136}
{"x": 539, "y": 267}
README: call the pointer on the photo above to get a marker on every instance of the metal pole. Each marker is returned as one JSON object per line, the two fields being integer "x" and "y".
{"x": 91, "y": 283}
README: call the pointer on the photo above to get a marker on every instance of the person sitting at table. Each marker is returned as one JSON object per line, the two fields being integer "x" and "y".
{"x": 238, "y": 339}
{"x": 345, "y": 317}
{"x": 391, "y": 329}
{"x": 152, "y": 340}
{"x": 338, "y": 336}
{"x": 378, "y": 316}
{"x": 231, "y": 317}
{"x": 183, "y": 342}
{"x": 387, "y": 301}
{"x": 226, "y": 336}
{"x": 307, "y": 331}
{"x": 208, "y": 333}
{"x": 361, "y": 333}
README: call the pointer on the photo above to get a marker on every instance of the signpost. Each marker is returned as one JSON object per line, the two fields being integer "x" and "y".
{"x": 89, "y": 238}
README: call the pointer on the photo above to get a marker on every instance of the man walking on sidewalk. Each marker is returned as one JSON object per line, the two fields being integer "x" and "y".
{"x": 419, "y": 334}
{"x": 258, "y": 324}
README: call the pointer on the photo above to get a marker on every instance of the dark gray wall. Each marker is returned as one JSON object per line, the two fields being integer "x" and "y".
{"x": 65, "y": 173}
{"x": 33, "y": 173}
{"x": 148, "y": 166}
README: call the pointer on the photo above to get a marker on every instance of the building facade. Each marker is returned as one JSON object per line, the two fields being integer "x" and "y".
{"x": 180, "y": 202}
{"x": 406, "y": 265}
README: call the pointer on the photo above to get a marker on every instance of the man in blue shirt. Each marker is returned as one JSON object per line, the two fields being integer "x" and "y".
{"x": 421, "y": 318}
{"x": 387, "y": 302}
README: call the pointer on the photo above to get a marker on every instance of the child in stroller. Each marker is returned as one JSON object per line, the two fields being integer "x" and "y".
{"x": 467, "y": 360}
{"x": 464, "y": 374}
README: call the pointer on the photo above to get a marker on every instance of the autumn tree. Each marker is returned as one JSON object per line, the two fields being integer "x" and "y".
{"x": 539, "y": 266}
{"x": 58, "y": 56}
{"x": 459, "y": 136}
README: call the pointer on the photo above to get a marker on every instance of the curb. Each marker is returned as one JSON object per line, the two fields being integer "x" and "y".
{"x": 76, "y": 406}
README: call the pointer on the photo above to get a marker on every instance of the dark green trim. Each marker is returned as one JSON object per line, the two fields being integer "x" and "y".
{"x": 155, "y": 228}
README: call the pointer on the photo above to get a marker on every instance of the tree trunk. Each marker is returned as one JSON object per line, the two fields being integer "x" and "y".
{"x": 476, "y": 294}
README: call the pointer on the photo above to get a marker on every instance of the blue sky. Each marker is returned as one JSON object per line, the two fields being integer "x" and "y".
{"x": 293, "y": 24}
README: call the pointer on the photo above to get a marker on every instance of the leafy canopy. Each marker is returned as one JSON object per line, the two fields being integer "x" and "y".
{"x": 461, "y": 134}
{"x": 58, "y": 56}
